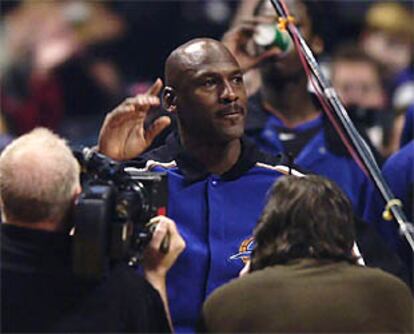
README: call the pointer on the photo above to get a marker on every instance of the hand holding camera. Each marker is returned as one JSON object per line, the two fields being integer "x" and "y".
{"x": 164, "y": 248}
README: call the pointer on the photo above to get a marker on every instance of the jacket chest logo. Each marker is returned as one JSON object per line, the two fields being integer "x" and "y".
{"x": 245, "y": 250}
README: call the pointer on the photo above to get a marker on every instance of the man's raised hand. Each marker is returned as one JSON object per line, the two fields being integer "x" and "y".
{"x": 123, "y": 136}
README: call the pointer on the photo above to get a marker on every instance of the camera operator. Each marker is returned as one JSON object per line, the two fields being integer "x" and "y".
{"x": 39, "y": 183}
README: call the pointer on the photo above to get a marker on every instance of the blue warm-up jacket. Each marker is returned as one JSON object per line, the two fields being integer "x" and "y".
{"x": 216, "y": 216}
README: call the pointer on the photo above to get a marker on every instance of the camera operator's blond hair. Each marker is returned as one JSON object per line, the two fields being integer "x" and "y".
{"x": 39, "y": 180}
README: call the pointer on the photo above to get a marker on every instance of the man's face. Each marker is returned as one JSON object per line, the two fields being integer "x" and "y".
{"x": 211, "y": 98}
{"x": 288, "y": 65}
{"x": 358, "y": 84}
{"x": 391, "y": 50}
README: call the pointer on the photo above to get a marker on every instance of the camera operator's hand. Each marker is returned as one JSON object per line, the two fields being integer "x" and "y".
{"x": 157, "y": 261}
{"x": 123, "y": 136}
{"x": 239, "y": 41}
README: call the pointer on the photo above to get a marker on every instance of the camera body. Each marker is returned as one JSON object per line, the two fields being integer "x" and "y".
{"x": 111, "y": 215}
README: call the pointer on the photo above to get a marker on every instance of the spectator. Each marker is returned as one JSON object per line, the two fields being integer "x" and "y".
{"x": 388, "y": 37}
{"x": 304, "y": 275}
{"x": 363, "y": 95}
{"x": 39, "y": 182}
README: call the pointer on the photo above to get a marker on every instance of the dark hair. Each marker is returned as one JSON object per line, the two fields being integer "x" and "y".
{"x": 305, "y": 217}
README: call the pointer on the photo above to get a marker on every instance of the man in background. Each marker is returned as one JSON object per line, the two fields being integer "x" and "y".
{"x": 357, "y": 79}
{"x": 388, "y": 37}
{"x": 39, "y": 183}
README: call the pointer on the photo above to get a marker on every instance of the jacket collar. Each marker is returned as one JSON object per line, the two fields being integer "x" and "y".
{"x": 193, "y": 170}
{"x": 30, "y": 245}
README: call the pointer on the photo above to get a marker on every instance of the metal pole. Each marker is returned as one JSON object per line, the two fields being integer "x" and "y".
{"x": 357, "y": 142}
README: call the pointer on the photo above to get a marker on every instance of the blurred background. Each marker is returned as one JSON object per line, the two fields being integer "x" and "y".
{"x": 65, "y": 64}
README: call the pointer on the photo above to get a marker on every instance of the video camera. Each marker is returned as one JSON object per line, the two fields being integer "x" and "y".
{"x": 112, "y": 213}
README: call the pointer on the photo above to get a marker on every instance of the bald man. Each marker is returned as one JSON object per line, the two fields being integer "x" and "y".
{"x": 39, "y": 182}
{"x": 217, "y": 179}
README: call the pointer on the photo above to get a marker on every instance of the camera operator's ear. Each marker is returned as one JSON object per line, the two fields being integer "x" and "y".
{"x": 78, "y": 190}
{"x": 76, "y": 193}
{"x": 169, "y": 99}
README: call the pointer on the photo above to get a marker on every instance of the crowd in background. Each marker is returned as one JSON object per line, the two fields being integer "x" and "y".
{"x": 65, "y": 64}
{"x": 69, "y": 65}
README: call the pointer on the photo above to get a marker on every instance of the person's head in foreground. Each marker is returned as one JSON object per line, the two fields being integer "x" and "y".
{"x": 308, "y": 217}
{"x": 39, "y": 181}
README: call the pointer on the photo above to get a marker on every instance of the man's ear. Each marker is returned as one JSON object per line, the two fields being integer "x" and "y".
{"x": 169, "y": 99}
{"x": 76, "y": 193}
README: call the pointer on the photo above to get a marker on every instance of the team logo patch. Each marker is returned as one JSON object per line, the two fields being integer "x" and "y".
{"x": 245, "y": 250}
